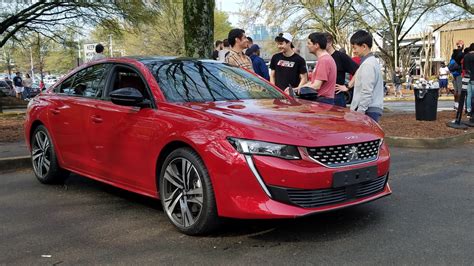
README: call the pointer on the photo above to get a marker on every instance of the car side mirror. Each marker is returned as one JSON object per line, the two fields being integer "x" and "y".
{"x": 129, "y": 97}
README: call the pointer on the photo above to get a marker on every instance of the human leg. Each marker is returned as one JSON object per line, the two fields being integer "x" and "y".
{"x": 375, "y": 116}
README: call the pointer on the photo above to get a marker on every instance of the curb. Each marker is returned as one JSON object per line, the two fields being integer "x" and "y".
{"x": 429, "y": 143}
{"x": 14, "y": 163}
{"x": 22, "y": 162}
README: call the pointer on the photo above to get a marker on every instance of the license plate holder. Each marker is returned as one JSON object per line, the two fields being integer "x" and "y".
{"x": 354, "y": 176}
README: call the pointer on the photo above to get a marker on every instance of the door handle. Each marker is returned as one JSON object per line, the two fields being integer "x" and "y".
{"x": 55, "y": 111}
{"x": 96, "y": 119}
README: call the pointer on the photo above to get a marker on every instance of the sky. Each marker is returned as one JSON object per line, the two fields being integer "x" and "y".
{"x": 230, "y": 6}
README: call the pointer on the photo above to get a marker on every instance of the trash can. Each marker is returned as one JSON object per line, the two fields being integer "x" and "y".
{"x": 426, "y": 101}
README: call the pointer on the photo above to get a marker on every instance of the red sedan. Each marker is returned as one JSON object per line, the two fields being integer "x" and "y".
{"x": 210, "y": 140}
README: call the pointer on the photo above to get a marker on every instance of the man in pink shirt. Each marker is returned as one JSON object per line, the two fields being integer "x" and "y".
{"x": 323, "y": 79}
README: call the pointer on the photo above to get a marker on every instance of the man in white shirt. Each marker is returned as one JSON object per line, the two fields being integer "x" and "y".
{"x": 223, "y": 53}
{"x": 99, "y": 52}
{"x": 443, "y": 79}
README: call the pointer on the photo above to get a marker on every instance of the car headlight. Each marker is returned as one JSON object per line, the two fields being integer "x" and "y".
{"x": 265, "y": 148}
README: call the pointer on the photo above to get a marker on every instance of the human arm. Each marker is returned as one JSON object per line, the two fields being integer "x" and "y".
{"x": 303, "y": 80}
{"x": 272, "y": 77}
{"x": 264, "y": 70}
{"x": 343, "y": 88}
{"x": 366, "y": 83}
{"x": 272, "y": 67}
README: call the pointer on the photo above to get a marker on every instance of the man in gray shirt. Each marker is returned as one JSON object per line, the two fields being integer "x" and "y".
{"x": 368, "y": 80}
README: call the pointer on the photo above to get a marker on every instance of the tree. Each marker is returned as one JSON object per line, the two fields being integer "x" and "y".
{"x": 46, "y": 17}
{"x": 392, "y": 21}
{"x": 463, "y": 4}
{"x": 331, "y": 16}
{"x": 198, "y": 27}
{"x": 221, "y": 25}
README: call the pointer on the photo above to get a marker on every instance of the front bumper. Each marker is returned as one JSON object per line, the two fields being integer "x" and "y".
{"x": 269, "y": 187}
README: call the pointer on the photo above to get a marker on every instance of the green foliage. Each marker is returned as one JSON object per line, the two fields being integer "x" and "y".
{"x": 222, "y": 25}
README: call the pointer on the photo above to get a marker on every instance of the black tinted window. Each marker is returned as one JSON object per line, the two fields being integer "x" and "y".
{"x": 125, "y": 77}
{"x": 196, "y": 81}
{"x": 89, "y": 82}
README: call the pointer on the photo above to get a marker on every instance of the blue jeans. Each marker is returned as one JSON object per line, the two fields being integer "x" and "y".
{"x": 325, "y": 100}
{"x": 340, "y": 99}
{"x": 470, "y": 93}
{"x": 26, "y": 92}
{"x": 375, "y": 116}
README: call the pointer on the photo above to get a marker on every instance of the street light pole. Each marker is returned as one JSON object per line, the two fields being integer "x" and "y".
{"x": 31, "y": 61}
{"x": 396, "y": 44}
{"x": 110, "y": 46}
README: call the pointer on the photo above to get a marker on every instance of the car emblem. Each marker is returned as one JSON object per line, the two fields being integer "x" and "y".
{"x": 352, "y": 137}
{"x": 352, "y": 156}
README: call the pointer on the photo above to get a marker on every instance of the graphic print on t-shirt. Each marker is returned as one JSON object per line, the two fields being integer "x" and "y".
{"x": 285, "y": 63}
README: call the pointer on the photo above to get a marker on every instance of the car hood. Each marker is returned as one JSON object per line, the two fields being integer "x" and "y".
{"x": 295, "y": 122}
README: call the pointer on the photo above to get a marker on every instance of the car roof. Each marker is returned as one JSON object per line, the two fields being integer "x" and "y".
{"x": 153, "y": 59}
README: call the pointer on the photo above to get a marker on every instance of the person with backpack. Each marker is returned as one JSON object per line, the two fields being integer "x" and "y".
{"x": 454, "y": 67}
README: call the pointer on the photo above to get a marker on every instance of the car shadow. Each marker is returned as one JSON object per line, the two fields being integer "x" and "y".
{"x": 317, "y": 227}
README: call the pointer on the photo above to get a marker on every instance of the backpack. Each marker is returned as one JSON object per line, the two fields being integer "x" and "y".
{"x": 454, "y": 66}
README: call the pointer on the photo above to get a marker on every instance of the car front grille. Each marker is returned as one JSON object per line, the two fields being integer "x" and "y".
{"x": 320, "y": 197}
{"x": 342, "y": 155}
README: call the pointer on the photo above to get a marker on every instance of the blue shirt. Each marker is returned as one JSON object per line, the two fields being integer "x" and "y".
{"x": 260, "y": 67}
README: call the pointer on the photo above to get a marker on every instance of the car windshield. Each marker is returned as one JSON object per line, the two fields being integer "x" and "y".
{"x": 198, "y": 81}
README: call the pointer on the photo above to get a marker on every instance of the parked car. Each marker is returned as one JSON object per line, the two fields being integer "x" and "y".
{"x": 35, "y": 89}
{"x": 210, "y": 140}
{"x": 5, "y": 89}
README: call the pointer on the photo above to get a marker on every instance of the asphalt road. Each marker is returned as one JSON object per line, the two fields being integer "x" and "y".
{"x": 428, "y": 220}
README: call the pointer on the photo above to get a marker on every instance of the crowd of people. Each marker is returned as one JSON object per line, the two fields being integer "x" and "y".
{"x": 20, "y": 87}
{"x": 461, "y": 67}
{"x": 289, "y": 73}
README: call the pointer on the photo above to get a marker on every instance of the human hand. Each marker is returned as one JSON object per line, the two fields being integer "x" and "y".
{"x": 341, "y": 88}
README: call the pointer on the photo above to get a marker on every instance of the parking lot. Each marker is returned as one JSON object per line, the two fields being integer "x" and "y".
{"x": 427, "y": 220}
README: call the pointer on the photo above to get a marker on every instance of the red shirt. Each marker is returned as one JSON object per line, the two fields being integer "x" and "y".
{"x": 326, "y": 71}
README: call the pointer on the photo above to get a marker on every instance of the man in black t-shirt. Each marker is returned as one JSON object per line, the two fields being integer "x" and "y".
{"x": 344, "y": 65}
{"x": 287, "y": 67}
{"x": 18, "y": 85}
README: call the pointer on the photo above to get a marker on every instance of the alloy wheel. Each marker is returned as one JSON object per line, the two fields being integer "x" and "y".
{"x": 41, "y": 154}
{"x": 183, "y": 193}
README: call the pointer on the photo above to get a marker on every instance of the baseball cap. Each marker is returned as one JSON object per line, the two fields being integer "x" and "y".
{"x": 284, "y": 37}
{"x": 254, "y": 48}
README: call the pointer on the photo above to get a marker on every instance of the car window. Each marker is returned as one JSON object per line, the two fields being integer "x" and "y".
{"x": 65, "y": 86}
{"x": 89, "y": 82}
{"x": 125, "y": 77}
{"x": 197, "y": 81}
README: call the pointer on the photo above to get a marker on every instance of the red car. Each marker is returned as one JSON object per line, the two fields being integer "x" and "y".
{"x": 210, "y": 140}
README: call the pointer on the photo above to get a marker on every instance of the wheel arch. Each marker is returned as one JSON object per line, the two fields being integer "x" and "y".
{"x": 33, "y": 127}
{"x": 165, "y": 151}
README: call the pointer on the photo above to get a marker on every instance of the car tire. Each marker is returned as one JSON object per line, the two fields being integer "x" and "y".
{"x": 43, "y": 158}
{"x": 189, "y": 203}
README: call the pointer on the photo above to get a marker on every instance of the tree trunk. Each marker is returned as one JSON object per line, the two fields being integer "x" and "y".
{"x": 198, "y": 16}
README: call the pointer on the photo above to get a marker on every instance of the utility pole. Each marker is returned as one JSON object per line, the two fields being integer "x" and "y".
{"x": 32, "y": 65}
{"x": 78, "y": 53}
